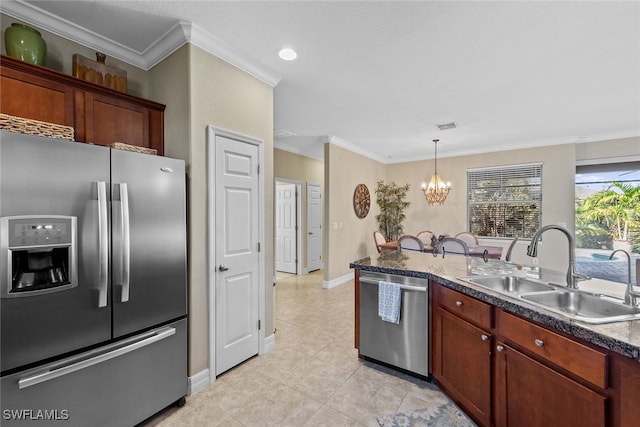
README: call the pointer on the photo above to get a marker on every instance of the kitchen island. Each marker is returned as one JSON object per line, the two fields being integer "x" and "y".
{"x": 529, "y": 365}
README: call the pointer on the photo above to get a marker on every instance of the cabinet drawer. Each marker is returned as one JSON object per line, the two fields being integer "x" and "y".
{"x": 465, "y": 306}
{"x": 583, "y": 361}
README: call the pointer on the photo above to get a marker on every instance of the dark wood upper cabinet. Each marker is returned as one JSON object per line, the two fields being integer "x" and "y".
{"x": 99, "y": 115}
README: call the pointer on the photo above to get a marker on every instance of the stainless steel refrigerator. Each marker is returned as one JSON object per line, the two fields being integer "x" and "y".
{"x": 92, "y": 283}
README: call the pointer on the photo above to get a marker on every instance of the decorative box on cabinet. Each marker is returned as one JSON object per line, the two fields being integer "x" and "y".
{"x": 98, "y": 114}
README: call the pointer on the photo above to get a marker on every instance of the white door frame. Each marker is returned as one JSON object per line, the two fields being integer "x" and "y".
{"x": 301, "y": 189}
{"x": 212, "y": 132}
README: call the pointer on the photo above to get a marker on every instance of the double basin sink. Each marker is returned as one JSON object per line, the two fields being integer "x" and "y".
{"x": 573, "y": 303}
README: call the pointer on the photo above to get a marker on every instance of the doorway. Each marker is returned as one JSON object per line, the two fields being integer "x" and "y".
{"x": 314, "y": 227}
{"x": 288, "y": 225}
{"x": 236, "y": 261}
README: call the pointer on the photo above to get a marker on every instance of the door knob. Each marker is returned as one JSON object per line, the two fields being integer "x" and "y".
{"x": 223, "y": 267}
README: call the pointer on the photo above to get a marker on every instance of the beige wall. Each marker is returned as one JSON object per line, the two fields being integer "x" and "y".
{"x": 293, "y": 166}
{"x": 200, "y": 90}
{"x": 169, "y": 85}
{"x": 223, "y": 96}
{"x": 558, "y": 173}
{"x": 611, "y": 151}
{"x": 60, "y": 53}
{"x": 347, "y": 237}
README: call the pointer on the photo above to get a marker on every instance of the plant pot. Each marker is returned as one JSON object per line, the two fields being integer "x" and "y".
{"x": 24, "y": 43}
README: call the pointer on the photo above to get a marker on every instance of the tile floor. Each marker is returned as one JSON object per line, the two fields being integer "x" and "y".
{"x": 313, "y": 377}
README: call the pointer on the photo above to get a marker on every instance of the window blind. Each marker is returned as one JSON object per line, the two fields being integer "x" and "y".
{"x": 505, "y": 201}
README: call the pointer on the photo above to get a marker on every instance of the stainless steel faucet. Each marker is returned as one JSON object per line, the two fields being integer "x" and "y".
{"x": 630, "y": 295}
{"x": 572, "y": 275}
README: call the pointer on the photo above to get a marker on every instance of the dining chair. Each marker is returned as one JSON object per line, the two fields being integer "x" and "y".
{"x": 379, "y": 239}
{"x": 469, "y": 238}
{"x": 426, "y": 237}
{"x": 411, "y": 243}
{"x": 507, "y": 257}
{"x": 453, "y": 245}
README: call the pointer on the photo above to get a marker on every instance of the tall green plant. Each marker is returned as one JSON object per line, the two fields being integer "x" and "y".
{"x": 392, "y": 203}
{"x": 618, "y": 207}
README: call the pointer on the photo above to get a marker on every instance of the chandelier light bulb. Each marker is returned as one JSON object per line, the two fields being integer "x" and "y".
{"x": 437, "y": 191}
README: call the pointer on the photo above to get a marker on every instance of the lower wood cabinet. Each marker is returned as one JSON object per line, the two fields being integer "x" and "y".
{"x": 461, "y": 350}
{"x": 528, "y": 393}
{"x": 504, "y": 370}
{"x": 462, "y": 363}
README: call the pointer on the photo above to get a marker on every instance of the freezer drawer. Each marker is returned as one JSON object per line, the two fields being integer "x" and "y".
{"x": 403, "y": 345}
{"x": 118, "y": 385}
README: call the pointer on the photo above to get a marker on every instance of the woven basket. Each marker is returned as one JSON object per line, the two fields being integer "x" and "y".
{"x": 137, "y": 149}
{"x": 35, "y": 127}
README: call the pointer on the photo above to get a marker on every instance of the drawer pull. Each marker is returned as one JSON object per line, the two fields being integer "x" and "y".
{"x": 539, "y": 342}
{"x": 484, "y": 337}
{"x": 459, "y": 303}
{"x": 500, "y": 348}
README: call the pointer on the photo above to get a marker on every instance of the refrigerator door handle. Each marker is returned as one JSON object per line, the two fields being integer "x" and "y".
{"x": 81, "y": 362}
{"x": 103, "y": 245}
{"x": 125, "y": 242}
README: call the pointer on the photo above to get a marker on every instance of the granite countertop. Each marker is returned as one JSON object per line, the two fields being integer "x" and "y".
{"x": 620, "y": 337}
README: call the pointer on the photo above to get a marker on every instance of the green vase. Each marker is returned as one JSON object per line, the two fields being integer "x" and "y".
{"x": 25, "y": 43}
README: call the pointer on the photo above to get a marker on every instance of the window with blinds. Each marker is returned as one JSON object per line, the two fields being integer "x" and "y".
{"x": 505, "y": 201}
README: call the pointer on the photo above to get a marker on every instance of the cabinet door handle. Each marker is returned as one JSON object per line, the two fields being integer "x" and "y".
{"x": 539, "y": 342}
{"x": 500, "y": 348}
{"x": 459, "y": 303}
{"x": 484, "y": 337}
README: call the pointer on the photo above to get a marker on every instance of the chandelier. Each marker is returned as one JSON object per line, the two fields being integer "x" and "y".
{"x": 437, "y": 190}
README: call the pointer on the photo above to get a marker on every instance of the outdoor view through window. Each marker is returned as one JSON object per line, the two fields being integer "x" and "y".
{"x": 608, "y": 218}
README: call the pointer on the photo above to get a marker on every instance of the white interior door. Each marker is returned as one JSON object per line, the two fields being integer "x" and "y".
{"x": 286, "y": 228}
{"x": 314, "y": 227}
{"x": 237, "y": 252}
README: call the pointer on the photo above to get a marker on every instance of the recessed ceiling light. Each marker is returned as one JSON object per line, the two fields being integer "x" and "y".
{"x": 287, "y": 54}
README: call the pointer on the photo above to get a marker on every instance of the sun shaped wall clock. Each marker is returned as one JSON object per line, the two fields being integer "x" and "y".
{"x": 361, "y": 201}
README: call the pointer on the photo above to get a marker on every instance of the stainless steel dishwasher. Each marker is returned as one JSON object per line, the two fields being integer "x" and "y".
{"x": 404, "y": 345}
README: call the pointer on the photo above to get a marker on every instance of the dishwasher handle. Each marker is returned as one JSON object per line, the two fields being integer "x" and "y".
{"x": 402, "y": 286}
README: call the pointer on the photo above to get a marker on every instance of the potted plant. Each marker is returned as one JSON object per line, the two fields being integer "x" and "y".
{"x": 618, "y": 207}
{"x": 391, "y": 199}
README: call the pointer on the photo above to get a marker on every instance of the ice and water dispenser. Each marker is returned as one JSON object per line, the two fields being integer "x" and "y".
{"x": 39, "y": 254}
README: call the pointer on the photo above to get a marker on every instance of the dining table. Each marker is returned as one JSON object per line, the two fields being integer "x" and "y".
{"x": 493, "y": 252}
{"x": 388, "y": 246}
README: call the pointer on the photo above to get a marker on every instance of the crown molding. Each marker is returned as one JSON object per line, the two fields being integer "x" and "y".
{"x": 222, "y": 50}
{"x": 296, "y": 150}
{"x": 39, "y": 18}
{"x": 355, "y": 149}
{"x": 182, "y": 32}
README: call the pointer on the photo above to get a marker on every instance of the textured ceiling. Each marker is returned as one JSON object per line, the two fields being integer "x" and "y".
{"x": 379, "y": 76}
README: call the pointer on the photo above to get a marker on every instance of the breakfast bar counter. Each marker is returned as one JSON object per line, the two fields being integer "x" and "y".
{"x": 504, "y": 359}
{"x": 620, "y": 337}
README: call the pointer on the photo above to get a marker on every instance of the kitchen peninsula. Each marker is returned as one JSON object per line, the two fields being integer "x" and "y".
{"x": 508, "y": 362}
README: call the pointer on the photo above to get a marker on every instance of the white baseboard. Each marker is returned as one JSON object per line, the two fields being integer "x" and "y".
{"x": 338, "y": 281}
{"x": 269, "y": 343}
{"x": 198, "y": 382}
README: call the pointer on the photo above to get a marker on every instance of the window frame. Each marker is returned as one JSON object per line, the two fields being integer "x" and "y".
{"x": 531, "y": 177}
